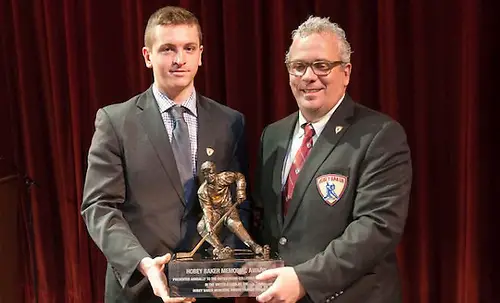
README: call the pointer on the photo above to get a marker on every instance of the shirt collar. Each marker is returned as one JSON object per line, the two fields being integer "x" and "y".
{"x": 165, "y": 103}
{"x": 321, "y": 123}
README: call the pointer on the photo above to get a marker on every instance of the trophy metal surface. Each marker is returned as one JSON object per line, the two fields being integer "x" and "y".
{"x": 229, "y": 272}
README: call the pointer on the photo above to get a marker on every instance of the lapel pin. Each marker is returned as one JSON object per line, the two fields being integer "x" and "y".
{"x": 338, "y": 129}
{"x": 210, "y": 151}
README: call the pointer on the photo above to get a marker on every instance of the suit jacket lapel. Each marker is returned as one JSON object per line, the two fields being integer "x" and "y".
{"x": 206, "y": 137}
{"x": 150, "y": 117}
{"x": 333, "y": 131}
{"x": 283, "y": 143}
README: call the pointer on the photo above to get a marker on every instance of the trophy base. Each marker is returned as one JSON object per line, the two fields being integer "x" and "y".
{"x": 207, "y": 278}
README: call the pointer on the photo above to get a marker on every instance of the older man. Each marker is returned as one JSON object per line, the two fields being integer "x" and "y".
{"x": 334, "y": 181}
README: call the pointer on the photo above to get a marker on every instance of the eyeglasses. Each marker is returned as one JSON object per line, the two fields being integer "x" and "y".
{"x": 319, "y": 68}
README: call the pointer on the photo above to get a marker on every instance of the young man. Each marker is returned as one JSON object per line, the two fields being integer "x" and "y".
{"x": 140, "y": 203}
{"x": 334, "y": 182}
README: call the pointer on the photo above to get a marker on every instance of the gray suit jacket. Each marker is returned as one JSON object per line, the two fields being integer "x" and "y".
{"x": 133, "y": 202}
{"x": 344, "y": 250}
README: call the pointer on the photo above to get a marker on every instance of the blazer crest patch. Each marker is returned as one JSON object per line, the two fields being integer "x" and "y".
{"x": 331, "y": 187}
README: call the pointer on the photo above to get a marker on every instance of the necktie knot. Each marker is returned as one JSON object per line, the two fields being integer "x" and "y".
{"x": 309, "y": 130}
{"x": 177, "y": 111}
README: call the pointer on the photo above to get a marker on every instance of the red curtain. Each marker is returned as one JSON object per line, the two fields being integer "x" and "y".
{"x": 429, "y": 64}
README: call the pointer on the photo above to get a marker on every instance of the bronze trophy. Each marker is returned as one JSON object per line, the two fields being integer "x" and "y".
{"x": 228, "y": 272}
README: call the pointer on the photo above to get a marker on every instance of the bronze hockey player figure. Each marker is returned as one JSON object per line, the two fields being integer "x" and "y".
{"x": 216, "y": 201}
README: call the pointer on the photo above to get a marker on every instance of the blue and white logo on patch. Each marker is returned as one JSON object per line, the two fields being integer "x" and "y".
{"x": 331, "y": 187}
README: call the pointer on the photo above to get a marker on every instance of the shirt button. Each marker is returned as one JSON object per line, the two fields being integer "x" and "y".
{"x": 308, "y": 145}
{"x": 297, "y": 171}
{"x": 282, "y": 241}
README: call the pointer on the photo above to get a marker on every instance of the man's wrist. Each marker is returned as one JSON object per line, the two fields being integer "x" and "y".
{"x": 145, "y": 265}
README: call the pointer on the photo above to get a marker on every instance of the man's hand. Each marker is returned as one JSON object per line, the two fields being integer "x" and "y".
{"x": 286, "y": 287}
{"x": 153, "y": 270}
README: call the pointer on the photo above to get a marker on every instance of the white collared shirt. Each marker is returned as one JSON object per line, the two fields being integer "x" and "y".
{"x": 298, "y": 134}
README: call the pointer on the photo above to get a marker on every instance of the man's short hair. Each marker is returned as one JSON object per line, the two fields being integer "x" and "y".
{"x": 169, "y": 15}
{"x": 318, "y": 25}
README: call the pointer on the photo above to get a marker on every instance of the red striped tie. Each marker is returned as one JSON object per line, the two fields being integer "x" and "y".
{"x": 298, "y": 162}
